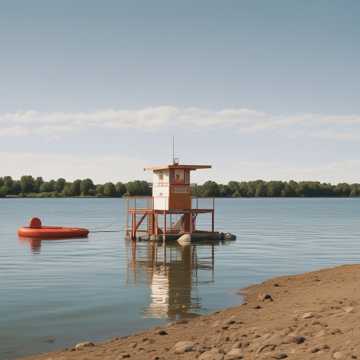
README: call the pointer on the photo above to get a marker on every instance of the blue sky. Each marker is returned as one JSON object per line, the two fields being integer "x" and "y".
{"x": 258, "y": 89}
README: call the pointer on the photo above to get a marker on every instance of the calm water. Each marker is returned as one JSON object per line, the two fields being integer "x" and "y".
{"x": 56, "y": 293}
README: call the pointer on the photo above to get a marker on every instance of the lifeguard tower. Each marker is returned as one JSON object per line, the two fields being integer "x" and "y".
{"x": 170, "y": 211}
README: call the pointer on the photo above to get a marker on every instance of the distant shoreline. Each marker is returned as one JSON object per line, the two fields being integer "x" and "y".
{"x": 14, "y": 197}
{"x": 28, "y": 186}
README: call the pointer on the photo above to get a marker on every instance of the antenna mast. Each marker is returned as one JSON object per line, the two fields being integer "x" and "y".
{"x": 173, "y": 149}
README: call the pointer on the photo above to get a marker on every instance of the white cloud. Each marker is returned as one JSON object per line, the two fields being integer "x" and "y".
{"x": 162, "y": 117}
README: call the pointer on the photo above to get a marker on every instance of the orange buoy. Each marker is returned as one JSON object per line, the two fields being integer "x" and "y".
{"x": 35, "y": 230}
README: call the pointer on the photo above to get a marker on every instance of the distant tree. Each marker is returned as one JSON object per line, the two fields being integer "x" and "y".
{"x": 27, "y": 184}
{"x": 289, "y": 190}
{"x": 4, "y": 191}
{"x": 37, "y": 184}
{"x": 138, "y": 187}
{"x": 109, "y": 189}
{"x": 355, "y": 190}
{"x": 260, "y": 189}
{"x": 59, "y": 185}
{"x": 99, "y": 190}
{"x": 16, "y": 188}
{"x": 8, "y": 181}
{"x": 196, "y": 190}
{"x": 224, "y": 190}
{"x": 75, "y": 188}
{"x": 86, "y": 186}
{"x": 210, "y": 189}
{"x": 46, "y": 187}
{"x": 274, "y": 188}
{"x": 68, "y": 190}
{"x": 120, "y": 189}
{"x": 233, "y": 188}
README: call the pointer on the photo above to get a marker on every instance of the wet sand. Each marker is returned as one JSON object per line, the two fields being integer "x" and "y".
{"x": 314, "y": 315}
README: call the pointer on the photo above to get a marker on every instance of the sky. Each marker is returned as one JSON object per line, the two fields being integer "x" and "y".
{"x": 258, "y": 89}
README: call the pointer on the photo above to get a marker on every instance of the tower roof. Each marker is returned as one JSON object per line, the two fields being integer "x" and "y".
{"x": 177, "y": 166}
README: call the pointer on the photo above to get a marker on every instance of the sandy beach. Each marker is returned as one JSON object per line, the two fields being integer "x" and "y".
{"x": 309, "y": 316}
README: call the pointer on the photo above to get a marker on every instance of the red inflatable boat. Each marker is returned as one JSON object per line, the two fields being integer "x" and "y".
{"x": 35, "y": 230}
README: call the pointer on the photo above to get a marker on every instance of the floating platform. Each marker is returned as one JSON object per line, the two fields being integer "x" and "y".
{"x": 35, "y": 230}
{"x": 196, "y": 236}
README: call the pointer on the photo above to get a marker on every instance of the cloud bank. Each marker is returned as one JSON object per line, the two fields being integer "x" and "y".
{"x": 24, "y": 123}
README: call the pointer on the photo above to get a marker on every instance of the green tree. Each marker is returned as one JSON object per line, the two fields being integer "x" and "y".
{"x": 27, "y": 184}
{"x": 68, "y": 190}
{"x": 4, "y": 191}
{"x": 210, "y": 189}
{"x": 8, "y": 181}
{"x": 120, "y": 189}
{"x": 138, "y": 187}
{"x": 37, "y": 184}
{"x": 260, "y": 189}
{"x": 274, "y": 188}
{"x": 46, "y": 187}
{"x": 86, "y": 186}
{"x": 75, "y": 188}
{"x": 59, "y": 185}
{"x": 109, "y": 189}
{"x": 99, "y": 190}
{"x": 233, "y": 187}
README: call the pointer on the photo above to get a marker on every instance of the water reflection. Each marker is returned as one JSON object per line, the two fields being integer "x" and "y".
{"x": 173, "y": 275}
{"x": 35, "y": 244}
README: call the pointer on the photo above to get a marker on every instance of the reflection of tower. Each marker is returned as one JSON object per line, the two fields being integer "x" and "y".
{"x": 173, "y": 274}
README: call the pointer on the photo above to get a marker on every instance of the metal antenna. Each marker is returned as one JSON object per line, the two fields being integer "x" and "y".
{"x": 173, "y": 149}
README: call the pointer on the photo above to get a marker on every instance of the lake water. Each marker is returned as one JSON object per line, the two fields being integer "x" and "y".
{"x": 56, "y": 293}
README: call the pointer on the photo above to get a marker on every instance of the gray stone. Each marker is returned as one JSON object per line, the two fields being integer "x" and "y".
{"x": 265, "y": 297}
{"x": 162, "y": 332}
{"x": 234, "y": 354}
{"x": 83, "y": 345}
{"x": 308, "y": 315}
{"x": 280, "y": 356}
{"x": 298, "y": 339}
{"x": 182, "y": 347}
{"x": 213, "y": 354}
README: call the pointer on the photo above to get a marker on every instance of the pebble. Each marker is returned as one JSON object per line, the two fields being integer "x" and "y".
{"x": 265, "y": 297}
{"x": 338, "y": 355}
{"x": 315, "y": 349}
{"x": 182, "y": 347}
{"x": 123, "y": 356}
{"x": 280, "y": 356}
{"x": 83, "y": 345}
{"x": 234, "y": 354}
{"x": 230, "y": 321}
{"x": 348, "y": 309}
{"x": 213, "y": 354}
{"x": 308, "y": 315}
{"x": 298, "y": 339}
{"x": 162, "y": 332}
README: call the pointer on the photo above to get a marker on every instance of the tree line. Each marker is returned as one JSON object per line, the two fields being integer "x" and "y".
{"x": 28, "y": 186}
{"x": 37, "y": 187}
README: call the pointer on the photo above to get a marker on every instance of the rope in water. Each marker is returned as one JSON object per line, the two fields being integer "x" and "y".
{"x": 104, "y": 228}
